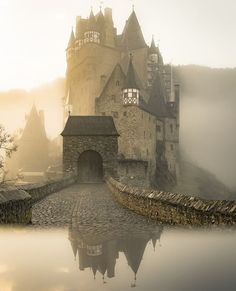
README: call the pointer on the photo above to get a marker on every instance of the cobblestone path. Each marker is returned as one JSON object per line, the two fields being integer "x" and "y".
{"x": 87, "y": 205}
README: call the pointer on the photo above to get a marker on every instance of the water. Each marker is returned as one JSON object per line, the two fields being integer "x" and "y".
{"x": 164, "y": 259}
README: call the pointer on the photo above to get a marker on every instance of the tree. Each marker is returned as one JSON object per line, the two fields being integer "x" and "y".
{"x": 7, "y": 147}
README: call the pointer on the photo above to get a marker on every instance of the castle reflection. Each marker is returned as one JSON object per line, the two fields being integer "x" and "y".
{"x": 99, "y": 250}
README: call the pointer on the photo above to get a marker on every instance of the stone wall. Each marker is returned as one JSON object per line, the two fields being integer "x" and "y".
{"x": 39, "y": 191}
{"x": 173, "y": 208}
{"x": 16, "y": 203}
{"x": 15, "y": 206}
{"x": 106, "y": 146}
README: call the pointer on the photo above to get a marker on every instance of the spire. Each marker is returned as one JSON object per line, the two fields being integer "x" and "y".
{"x": 156, "y": 102}
{"x": 153, "y": 48}
{"x": 71, "y": 40}
{"x": 130, "y": 81}
{"x": 92, "y": 20}
{"x": 34, "y": 125}
{"x": 132, "y": 36}
{"x": 100, "y": 20}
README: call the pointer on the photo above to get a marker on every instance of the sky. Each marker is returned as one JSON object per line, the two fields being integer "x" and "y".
{"x": 34, "y": 34}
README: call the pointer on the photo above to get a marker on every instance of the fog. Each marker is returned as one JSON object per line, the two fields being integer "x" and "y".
{"x": 208, "y": 119}
{"x": 208, "y": 102}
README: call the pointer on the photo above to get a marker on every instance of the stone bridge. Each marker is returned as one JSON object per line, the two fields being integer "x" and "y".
{"x": 108, "y": 204}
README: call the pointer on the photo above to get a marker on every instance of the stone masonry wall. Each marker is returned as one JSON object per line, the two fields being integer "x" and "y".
{"x": 173, "y": 208}
{"x": 40, "y": 190}
{"x": 106, "y": 146}
{"x": 16, "y": 203}
{"x": 15, "y": 206}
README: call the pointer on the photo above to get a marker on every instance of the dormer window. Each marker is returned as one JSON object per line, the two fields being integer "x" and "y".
{"x": 131, "y": 96}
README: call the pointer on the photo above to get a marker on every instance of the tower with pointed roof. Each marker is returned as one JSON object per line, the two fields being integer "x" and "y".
{"x": 119, "y": 75}
{"x": 33, "y": 144}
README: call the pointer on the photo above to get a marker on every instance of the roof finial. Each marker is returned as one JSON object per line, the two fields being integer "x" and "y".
{"x": 133, "y": 7}
{"x": 101, "y": 2}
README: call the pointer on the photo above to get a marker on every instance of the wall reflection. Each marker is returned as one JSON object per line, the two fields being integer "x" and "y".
{"x": 100, "y": 251}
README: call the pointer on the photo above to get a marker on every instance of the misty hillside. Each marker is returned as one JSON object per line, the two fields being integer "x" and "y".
{"x": 206, "y": 82}
{"x": 208, "y": 118}
{"x": 207, "y": 133}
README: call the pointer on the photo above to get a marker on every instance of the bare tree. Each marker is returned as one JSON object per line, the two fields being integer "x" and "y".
{"x": 7, "y": 147}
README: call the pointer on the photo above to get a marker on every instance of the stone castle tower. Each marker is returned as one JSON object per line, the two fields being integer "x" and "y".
{"x": 121, "y": 76}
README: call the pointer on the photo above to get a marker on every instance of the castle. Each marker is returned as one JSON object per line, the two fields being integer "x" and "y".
{"x": 121, "y": 76}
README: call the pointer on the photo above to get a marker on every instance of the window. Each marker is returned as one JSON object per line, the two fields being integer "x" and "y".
{"x": 113, "y": 98}
{"x": 172, "y": 147}
{"x": 171, "y": 128}
{"x": 124, "y": 113}
{"x": 117, "y": 83}
{"x": 144, "y": 134}
{"x": 158, "y": 128}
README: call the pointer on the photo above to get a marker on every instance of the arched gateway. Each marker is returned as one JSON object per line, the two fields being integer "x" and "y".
{"x": 90, "y": 167}
{"x": 90, "y": 147}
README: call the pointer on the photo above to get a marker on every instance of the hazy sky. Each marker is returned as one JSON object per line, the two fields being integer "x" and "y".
{"x": 34, "y": 34}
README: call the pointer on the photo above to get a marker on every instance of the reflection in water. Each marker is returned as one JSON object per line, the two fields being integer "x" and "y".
{"x": 100, "y": 252}
{"x": 189, "y": 260}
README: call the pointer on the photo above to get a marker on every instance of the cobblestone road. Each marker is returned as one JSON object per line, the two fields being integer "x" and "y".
{"x": 87, "y": 205}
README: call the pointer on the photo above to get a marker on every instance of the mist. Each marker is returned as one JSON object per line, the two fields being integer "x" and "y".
{"x": 208, "y": 102}
{"x": 207, "y": 135}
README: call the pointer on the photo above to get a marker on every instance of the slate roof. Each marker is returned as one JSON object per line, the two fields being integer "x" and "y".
{"x": 153, "y": 49}
{"x": 132, "y": 36}
{"x": 157, "y": 103}
{"x": 130, "y": 80}
{"x": 34, "y": 127}
{"x": 71, "y": 40}
{"x": 90, "y": 126}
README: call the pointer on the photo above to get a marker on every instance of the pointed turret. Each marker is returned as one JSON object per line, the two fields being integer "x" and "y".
{"x": 153, "y": 48}
{"x": 130, "y": 89}
{"x": 156, "y": 102}
{"x": 33, "y": 144}
{"x": 34, "y": 125}
{"x": 100, "y": 22}
{"x": 71, "y": 42}
{"x": 92, "y": 21}
{"x": 130, "y": 81}
{"x": 132, "y": 36}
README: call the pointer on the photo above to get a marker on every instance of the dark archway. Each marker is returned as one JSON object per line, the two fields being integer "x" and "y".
{"x": 90, "y": 167}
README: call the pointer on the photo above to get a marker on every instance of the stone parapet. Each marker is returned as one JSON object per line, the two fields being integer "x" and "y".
{"x": 173, "y": 208}
{"x": 41, "y": 190}
{"x": 15, "y": 206}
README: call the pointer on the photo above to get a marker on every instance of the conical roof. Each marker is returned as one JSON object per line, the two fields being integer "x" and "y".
{"x": 153, "y": 49}
{"x": 132, "y": 36}
{"x": 130, "y": 81}
{"x": 34, "y": 128}
{"x": 134, "y": 250}
{"x": 71, "y": 40}
{"x": 92, "y": 22}
{"x": 73, "y": 243}
{"x": 157, "y": 97}
{"x": 100, "y": 18}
